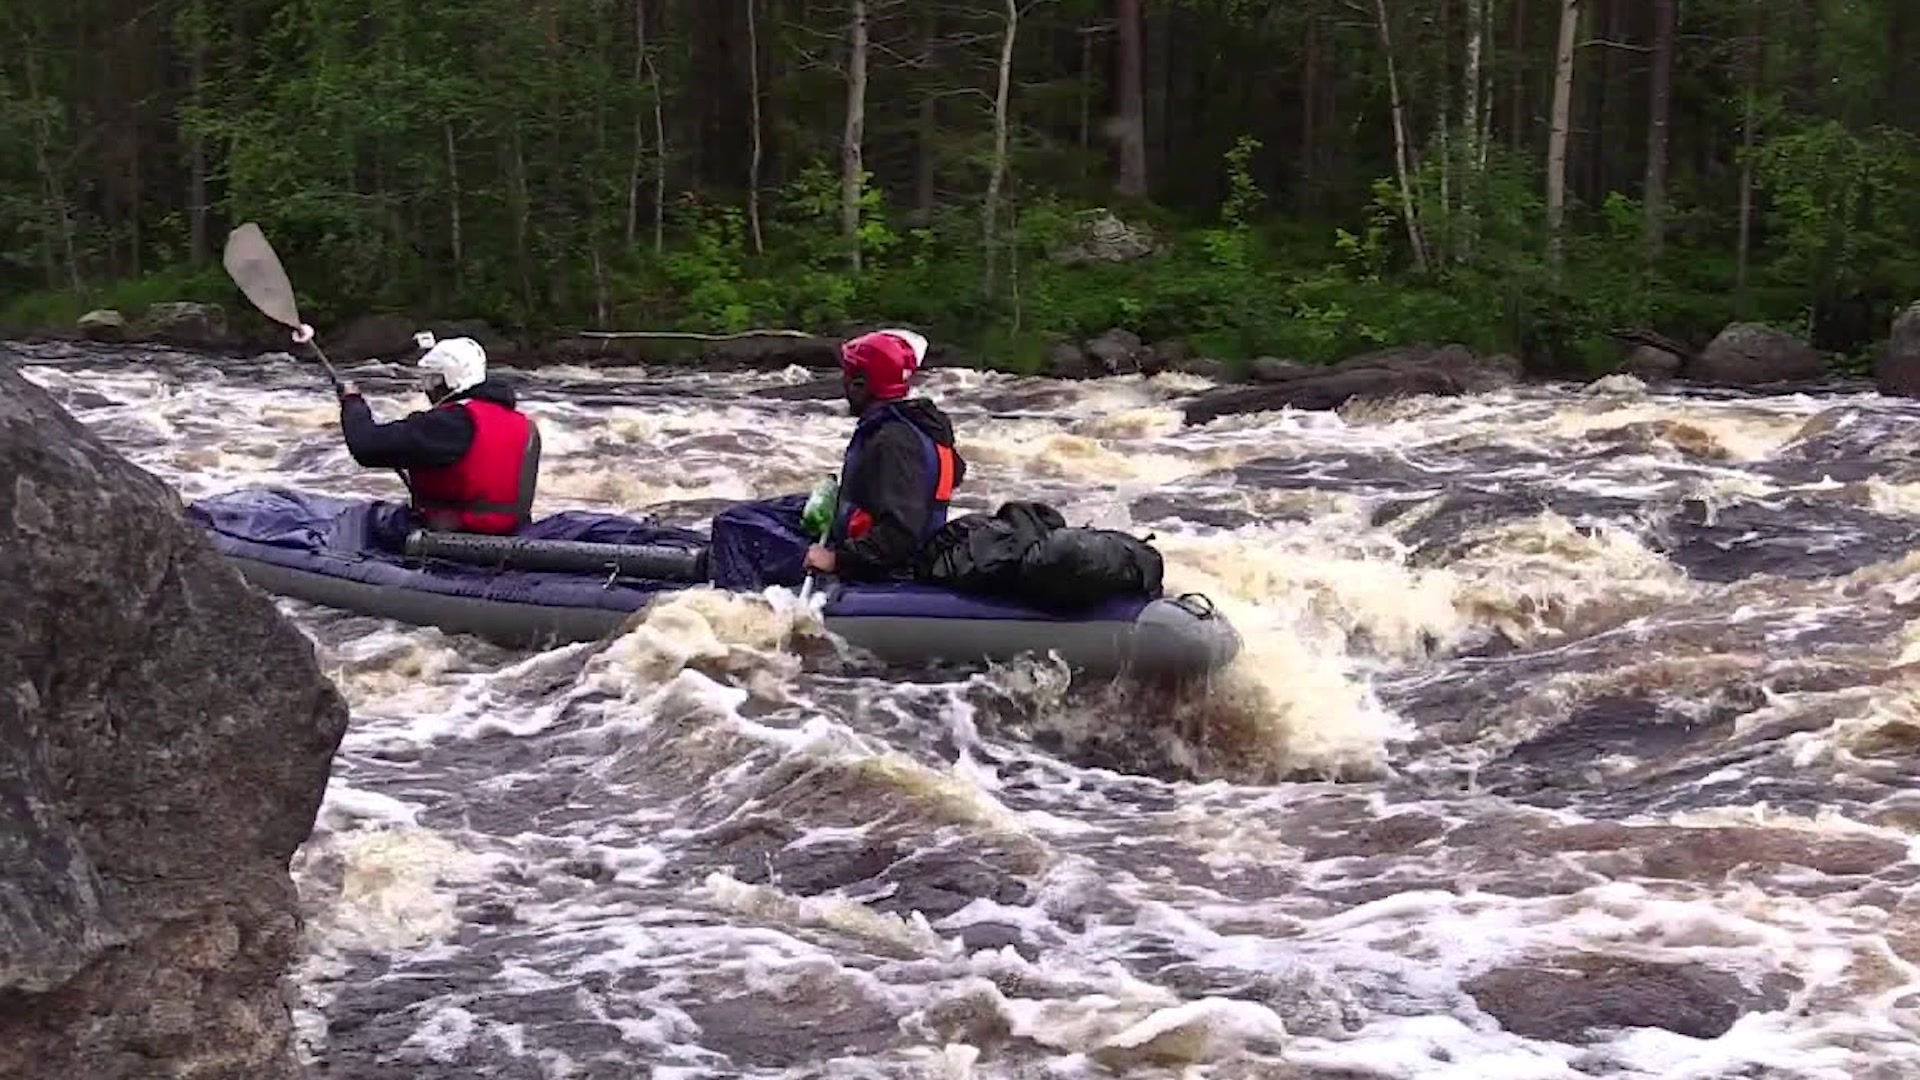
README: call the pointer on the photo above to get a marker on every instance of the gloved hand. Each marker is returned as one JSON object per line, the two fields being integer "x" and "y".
{"x": 349, "y": 389}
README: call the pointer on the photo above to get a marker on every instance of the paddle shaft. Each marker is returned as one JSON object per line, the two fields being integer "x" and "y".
{"x": 332, "y": 375}
{"x": 254, "y": 266}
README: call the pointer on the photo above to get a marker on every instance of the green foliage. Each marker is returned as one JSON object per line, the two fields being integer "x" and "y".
{"x": 481, "y": 158}
{"x": 1846, "y": 207}
{"x": 54, "y": 308}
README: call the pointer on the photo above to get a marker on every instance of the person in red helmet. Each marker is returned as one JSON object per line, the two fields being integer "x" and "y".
{"x": 900, "y": 468}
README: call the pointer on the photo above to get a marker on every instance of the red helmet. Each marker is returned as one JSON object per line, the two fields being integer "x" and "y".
{"x": 886, "y": 358}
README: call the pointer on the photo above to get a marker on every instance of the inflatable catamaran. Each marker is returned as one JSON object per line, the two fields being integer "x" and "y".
{"x": 578, "y": 576}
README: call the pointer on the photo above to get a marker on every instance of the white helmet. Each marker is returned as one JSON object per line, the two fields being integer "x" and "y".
{"x": 459, "y": 362}
{"x": 915, "y": 341}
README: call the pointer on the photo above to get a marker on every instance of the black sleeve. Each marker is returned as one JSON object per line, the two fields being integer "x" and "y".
{"x": 892, "y": 486}
{"x": 419, "y": 440}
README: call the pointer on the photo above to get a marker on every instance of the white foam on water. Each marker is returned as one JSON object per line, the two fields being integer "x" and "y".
{"x": 579, "y": 852}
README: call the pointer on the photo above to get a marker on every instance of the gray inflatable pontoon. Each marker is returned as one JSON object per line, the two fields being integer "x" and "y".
{"x": 910, "y": 625}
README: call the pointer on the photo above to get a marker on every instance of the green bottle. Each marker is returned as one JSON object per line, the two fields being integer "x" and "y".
{"x": 818, "y": 516}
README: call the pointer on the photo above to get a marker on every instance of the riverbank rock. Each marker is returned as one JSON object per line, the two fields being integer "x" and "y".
{"x": 1099, "y": 236}
{"x": 103, "y": 324}
{"x": 1751, "y": 354}
{"x": 152, "y": 789}
{"x": 368, "y": 336}
{"x": 1388, "y": 373}
{"x": 390, "y": 337}
{"x": 1272, "y": 369}
{"x": 1651, "y": 364}
{"x": 1898, "y": 369}
{"x": 1205, "y": 367}
{"x": 1122, "y": 352}
{"x": 775, "y": 353}
{"x": 1118, "y": 352}
{"x": 186, "y": 325}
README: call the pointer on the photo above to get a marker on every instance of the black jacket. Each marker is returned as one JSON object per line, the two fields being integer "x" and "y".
{"x": 890, "y": 483}
{"x": 427, "y": 439}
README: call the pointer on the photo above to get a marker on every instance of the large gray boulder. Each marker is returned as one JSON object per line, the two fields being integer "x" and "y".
{"x": 1652, "y": 364}
{"x": 1753, "y": 354}
{"x": 1898, "y": 369}
{"x": 165, "y": 739}
{"x": 1117, "y": 352}
{"x": 186, "y": 324}
{"x": 103, "y": 324}
{"x": 387, "y": 336}
{"x": 1099, "y": 236}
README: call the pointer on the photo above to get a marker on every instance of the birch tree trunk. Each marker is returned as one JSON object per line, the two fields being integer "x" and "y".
{"x": 57, "y": 208}
{"x": 1309, "y": 117}
{"x": 1557, "y": 137}
{"x": 1443, "y": 127}
{"x": 197, "y": 246}
{"x": 1132, "y": 178}
{"x": 1470, "y": 120}
{"x": 1660, "y": 109}
{"x": 660, "y": 161}
{"x": 998, "y": 170}
{"x": 1403, "y": 169}
{"x": 925, "y": 166}
{"x": 639, "y": 138}
{"x": 852, "y": 167}
{"x": 1517, "y": 136}
{"x": 753, "y": 168}
{"x": 1755, "y": 63}
{"x": 453, "y": 209}
{"x": 1484, "y": 87}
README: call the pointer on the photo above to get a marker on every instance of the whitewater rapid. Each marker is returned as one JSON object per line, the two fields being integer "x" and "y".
{"x": 1574, "y": 737}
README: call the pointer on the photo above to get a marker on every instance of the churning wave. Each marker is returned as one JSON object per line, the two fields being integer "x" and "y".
{"x": 1575, "y": 736}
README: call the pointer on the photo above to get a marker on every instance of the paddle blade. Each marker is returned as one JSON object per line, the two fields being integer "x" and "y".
{"x": 253, "y": 266}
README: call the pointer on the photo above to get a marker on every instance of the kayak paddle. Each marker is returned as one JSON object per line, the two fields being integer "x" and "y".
{"x": 253, "y": 266}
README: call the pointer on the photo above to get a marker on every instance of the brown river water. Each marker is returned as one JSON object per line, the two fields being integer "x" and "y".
{"x": 1574, "y": 736}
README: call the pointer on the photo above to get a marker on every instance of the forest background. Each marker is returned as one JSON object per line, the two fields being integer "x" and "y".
{"x": 1298, "y": 178}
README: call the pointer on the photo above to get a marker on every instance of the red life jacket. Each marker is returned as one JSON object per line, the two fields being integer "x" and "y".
{"x": 854, "y": 521}
{"x": 490, "y": 489}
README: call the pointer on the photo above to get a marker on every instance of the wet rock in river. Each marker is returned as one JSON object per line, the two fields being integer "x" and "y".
{"x": 938, "y": 883}
{"x": 827, "y": 388}
{"x": 153, "y": 789}
{"x": 1404, "y": 372}
{"x": 1574, "y": 999}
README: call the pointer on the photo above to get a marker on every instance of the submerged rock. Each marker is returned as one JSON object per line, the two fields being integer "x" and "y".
{"x": 165, "y": 739}
{"x": 1576, "y": 998}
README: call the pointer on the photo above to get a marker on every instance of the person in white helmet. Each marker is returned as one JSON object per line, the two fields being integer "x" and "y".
{"x": 472, "y": 460}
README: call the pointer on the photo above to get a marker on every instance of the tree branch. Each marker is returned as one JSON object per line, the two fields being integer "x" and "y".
{"x": 675, "y": 335}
